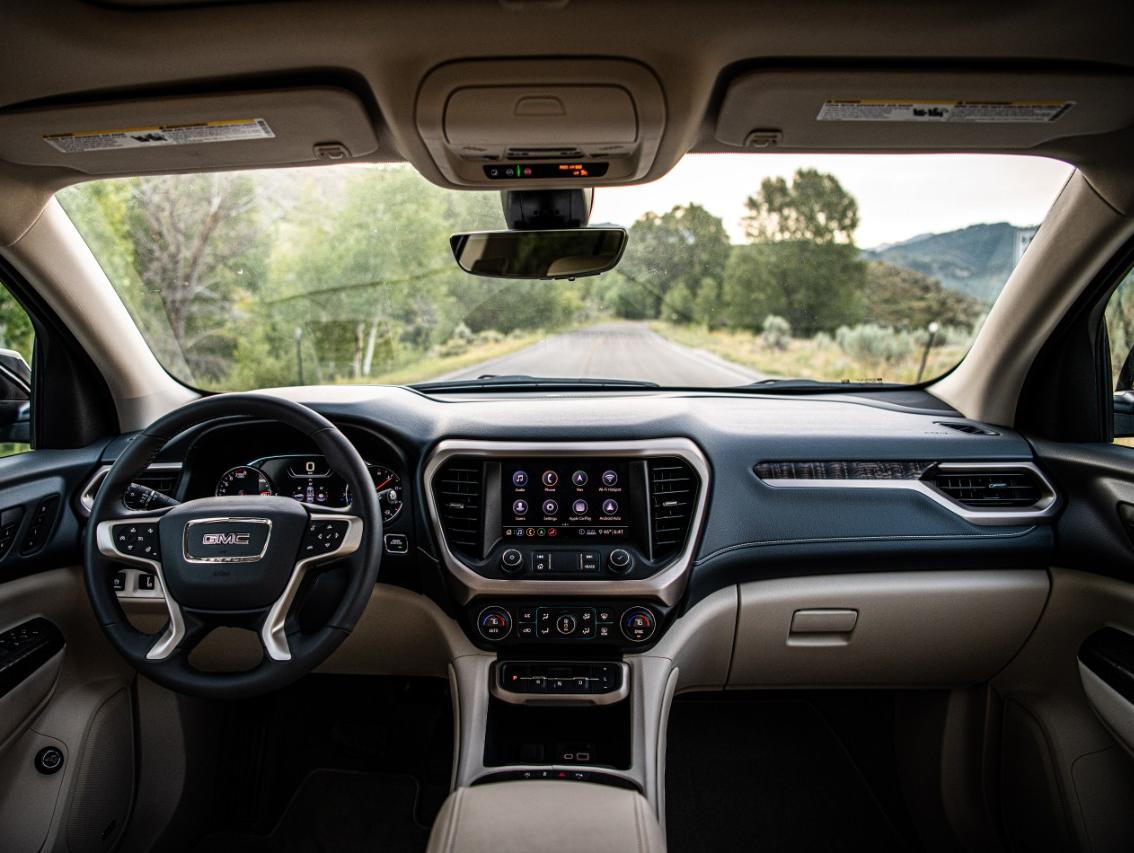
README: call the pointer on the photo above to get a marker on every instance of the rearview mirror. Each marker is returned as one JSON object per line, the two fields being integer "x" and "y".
{"x": 562, "y": 253}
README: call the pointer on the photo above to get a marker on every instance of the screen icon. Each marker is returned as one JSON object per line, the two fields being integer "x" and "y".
{"x": 609, "y": 507}
{"x": 610, "y": 478}
{"x": 550, "y": 507}
{"x": 550, "y": 478}
{"x": 579, "y": 507}
{"x": 579, "y": 478}
{"x": 520, "y": 479}
{"x": 520, "y": 507}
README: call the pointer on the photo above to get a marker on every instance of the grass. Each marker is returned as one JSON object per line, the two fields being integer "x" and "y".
{"x": 430, "y": 366}
{"x": 806, "y": 358}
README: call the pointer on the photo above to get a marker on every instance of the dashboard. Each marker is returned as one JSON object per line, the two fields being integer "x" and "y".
{"x": 594, "y": 520}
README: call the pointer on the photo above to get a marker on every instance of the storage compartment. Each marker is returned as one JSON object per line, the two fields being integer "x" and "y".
{"x": 603, "y": 117}
{"x": 548, "y": 815}
{"x": 902, "y": 629}
{"x": 593, "y": 736}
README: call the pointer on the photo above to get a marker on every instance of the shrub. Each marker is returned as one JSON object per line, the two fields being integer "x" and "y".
{"x": 874, "y": 344}
{"x": 777, "y": 332}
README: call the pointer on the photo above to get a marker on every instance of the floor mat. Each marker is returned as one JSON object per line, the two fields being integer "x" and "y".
{"x": 766, "y": 775}
{"x": 337, "y": 810}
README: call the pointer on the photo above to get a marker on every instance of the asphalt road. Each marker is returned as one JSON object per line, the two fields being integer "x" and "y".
{"x": 614, "y": 351}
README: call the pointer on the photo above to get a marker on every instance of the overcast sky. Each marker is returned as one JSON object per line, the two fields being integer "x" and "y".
{"x": 899, "y": 196}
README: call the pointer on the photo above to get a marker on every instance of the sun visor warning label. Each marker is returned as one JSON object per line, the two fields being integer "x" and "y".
{"x": 945, "y": 112}
{"x": 200, "y": 133}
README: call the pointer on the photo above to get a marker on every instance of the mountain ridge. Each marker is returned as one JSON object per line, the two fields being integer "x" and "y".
{"x": 975, "y": 260}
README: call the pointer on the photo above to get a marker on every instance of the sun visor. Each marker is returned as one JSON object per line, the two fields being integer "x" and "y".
{"x": 228, "y": 130}
{"x": 925, "y": 110}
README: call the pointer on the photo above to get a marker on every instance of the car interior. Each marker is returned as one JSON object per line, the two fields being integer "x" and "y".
{"x": 566, "y": 425}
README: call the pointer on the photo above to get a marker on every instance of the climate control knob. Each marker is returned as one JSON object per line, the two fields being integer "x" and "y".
{"x": 494, "y": 623}
{"x": 512, "y": 561}
{"x": 638, "y": 624}
{"x": 620, "y": 561}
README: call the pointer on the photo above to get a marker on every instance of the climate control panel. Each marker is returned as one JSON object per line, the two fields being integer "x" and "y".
{"x": 627, "y": 624}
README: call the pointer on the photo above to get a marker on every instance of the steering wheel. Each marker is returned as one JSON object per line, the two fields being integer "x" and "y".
{"x": 234, "y": 561}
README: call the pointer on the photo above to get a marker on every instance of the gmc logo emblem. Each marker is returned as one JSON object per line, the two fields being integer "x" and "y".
{"x": 226, "y": 538}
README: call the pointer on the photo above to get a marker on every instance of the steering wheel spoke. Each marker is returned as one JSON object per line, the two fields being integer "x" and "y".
{"x": 330, "y": 536}
{"x": 132, "y": 539}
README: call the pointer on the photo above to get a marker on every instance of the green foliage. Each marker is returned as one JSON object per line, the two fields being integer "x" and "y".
{"x": 261, "y": 279}
{"x": 907, "y": 299}
{"x": 776, "y": 332}
{"x": 874, "y": 344}
{"x": 814, "y": 286}
{"x": 814, "y": 207}
{"x": 669, "y": 259}
{"x": 16, "y": 330}
{"x": 1120, "y": 329}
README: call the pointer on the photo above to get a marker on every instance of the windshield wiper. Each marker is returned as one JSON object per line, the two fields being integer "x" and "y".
{"x": 494, "y": 382}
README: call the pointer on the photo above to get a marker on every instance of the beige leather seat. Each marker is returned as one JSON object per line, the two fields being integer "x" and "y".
{"x": 519, "y": 817}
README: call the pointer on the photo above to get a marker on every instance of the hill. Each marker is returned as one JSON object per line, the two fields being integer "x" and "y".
{"x": 975, "y": 261}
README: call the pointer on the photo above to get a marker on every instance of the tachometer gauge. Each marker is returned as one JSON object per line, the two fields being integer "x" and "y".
{"x": 389, "y": 486}
{"x": 244, "y": 480}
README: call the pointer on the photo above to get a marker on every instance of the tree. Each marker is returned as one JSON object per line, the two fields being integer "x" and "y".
{"x": 680, "y": 251}
{"x": 903, "y": 298}
{"x": 815, "y": 287}
{"x": 802, "y": 264}
{"x": 814, "y": 207}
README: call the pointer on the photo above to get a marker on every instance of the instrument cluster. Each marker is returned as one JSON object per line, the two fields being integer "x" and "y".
{"x": 309, "y": 479}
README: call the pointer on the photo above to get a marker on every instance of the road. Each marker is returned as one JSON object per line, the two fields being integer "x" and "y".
{"x": 614, "y": 351}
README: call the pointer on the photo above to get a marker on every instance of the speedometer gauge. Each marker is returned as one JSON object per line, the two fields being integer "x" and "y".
{"x": 389, "y": 488}
{"x": 243, "y": 480}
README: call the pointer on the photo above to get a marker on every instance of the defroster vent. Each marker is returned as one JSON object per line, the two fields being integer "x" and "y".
{"x": 673, "y": 495}
{"x": 458, "y": 489}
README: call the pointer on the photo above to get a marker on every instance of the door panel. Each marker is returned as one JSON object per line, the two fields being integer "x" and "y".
{"x": 65, "y": 689}
{"x": 1058, "y": 753}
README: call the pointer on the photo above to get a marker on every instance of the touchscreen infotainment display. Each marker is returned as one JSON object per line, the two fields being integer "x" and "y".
{"x": 565, "y": 499}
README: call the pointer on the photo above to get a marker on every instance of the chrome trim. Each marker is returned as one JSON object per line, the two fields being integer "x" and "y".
{"x": 1044, "y": 509}
{"x": 272, "y": 633}
{"x": 87, "y": 495}
{"x": 247, "y": 558}
{"x": 174, "y": 633}
{"x": 505, "y": 695}
{"x": 667, "y": 585}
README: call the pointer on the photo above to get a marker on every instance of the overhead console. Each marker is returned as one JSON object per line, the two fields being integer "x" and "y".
{"x": 565, "y": 543}
{"x": 541, "y": 123}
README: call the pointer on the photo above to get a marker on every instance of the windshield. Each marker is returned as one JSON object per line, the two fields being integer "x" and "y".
{"x": 739, "y": 269}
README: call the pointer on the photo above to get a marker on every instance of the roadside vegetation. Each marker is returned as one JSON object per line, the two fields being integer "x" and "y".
{"x": 277, "y": 278}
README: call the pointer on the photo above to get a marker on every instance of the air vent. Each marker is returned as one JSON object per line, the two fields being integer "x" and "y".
{"x": 971, "y": 429}
{"x": 160, "y": 481}
{"x": 458, "y": 490}
{"x": 673, "y": 494}
{"x": 162, "y": 477}
{"x": 989, "y": 489}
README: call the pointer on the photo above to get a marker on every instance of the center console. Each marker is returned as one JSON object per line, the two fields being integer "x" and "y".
{"x": 565, "y": 558}
{"x": 566, "y": 545}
